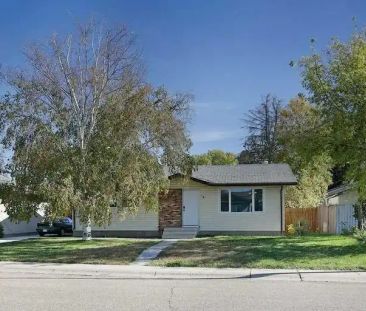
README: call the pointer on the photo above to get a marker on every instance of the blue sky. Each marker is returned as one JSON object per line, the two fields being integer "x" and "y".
{"x": 228, "y": 54}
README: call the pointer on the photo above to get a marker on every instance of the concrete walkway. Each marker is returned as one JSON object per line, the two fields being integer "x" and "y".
{"x": 80, "y": 271}
{"x": 18, "y": 238}
{"x": 152, "y": 252}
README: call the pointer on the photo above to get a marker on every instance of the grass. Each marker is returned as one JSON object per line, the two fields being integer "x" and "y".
{"x": 74, "y": 250}
{"x": 308, "y": 252}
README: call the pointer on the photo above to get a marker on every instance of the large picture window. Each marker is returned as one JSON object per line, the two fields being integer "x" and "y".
{"x": 241, "y": 200}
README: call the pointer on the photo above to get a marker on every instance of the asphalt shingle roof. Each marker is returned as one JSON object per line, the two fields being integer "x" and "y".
{"x": 245, "y": 174}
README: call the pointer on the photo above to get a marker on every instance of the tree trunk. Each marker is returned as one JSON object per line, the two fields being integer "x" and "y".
{"x": 87, "y": 236}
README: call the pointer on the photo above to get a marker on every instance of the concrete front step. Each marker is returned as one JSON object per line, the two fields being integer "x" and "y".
{"x": 180, "y": 233}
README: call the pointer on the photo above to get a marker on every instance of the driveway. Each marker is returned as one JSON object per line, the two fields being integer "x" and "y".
{"x": 18, "y": 238}
{"x": 94, "y": 287}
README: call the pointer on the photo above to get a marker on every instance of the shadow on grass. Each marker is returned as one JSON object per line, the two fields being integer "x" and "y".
{"x": 110, "y": 251}
{"x": 310, "y": 252}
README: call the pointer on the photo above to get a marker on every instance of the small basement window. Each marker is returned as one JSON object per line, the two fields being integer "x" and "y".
{"x": 241, "y": 200}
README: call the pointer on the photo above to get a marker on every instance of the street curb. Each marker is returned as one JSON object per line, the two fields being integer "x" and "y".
{"x": 46, "y": 270}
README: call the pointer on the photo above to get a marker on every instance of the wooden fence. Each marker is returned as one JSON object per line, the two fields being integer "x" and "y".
{"x": 310, "y": 215}
{"x": 326, "y": 219}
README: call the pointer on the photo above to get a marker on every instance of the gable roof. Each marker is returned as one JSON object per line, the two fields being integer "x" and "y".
{"x": 339, "y": 190}
{"x": 244, "y": 174}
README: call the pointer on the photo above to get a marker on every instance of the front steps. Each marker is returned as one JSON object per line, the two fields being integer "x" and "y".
{"x": 180, "y": 233}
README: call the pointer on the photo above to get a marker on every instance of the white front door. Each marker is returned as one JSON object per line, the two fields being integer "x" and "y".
{"x": 190, "y": 207}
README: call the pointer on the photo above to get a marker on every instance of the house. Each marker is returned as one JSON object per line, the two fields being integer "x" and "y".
{"x": 218, "y": 199}
{"x": 342, "y": 195}
{"x": 13, "y": 228}
{"x": 340, "y": 210}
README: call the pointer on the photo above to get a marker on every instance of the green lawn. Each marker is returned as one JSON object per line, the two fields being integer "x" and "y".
{"x": 309, "y": 252}
{"x": 74, "y": 250}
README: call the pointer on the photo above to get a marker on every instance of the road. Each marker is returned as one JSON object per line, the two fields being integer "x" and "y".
{"x": 33, "y": 288}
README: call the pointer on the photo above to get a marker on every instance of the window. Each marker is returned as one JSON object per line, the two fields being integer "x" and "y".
{"x": 224, "y": 200}
{"x": 258, "y": 200}
{"x": 241, "y": 200}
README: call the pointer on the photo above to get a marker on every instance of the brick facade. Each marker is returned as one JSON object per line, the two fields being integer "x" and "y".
{"x": 170, "y": 210}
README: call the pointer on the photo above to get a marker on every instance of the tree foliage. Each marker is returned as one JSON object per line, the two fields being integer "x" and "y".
{"x": 336, "y": 82}
{"x": 87, "y": 131}
{"x": 261, "y": 144}
{"x": 301, "y": 137}
{"x": 359, "y": 212}
{"x": 215, "y": 157}
{"x": 313, "y": 181}
{"x": 298, "y": 136}
{"x": 301, "y": 133}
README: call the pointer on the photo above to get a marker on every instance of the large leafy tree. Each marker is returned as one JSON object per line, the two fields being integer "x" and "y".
{"x": 87, "y": 131}
{"x": 301, "y": 137}
{"x": 261, "y": 143}
{"x": 215, "y": 157}
{"x": 301, "y": 133}
{"x": 336, "y": 82}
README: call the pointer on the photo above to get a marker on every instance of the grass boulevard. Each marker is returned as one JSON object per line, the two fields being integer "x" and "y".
{"x": 307, "y": 252}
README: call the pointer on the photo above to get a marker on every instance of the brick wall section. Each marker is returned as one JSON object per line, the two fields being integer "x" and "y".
{"x": 170, "y": 210}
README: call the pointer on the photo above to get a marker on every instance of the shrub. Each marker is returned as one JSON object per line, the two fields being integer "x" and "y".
{"x": 360, "y": 234}
{"x": 291, "y": 230}
{"x": 302, "y": 227}
{"x": 1, "y": 231}
{"x": 348, "y": 231}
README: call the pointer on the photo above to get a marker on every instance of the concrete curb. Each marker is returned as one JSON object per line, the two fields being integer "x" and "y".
{"x": 43, "y": 270}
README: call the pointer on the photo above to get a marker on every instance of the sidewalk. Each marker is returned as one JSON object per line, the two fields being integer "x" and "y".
{"x": 18, "y": 238}
{"x": 152, "y": 252}
{"x": 43, "y": 270}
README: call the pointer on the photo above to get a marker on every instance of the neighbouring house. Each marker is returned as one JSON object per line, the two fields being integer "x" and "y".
{"x": 217, "y": 199}
{"x": 342, "y": 195}
{"x": 12, "y": 228}
{"x": 340, "y": 211}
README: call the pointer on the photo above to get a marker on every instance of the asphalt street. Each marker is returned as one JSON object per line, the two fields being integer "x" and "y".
{"x": 35, "y": 287}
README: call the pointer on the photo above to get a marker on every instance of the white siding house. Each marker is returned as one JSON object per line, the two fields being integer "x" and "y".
{"x": 230, "y": 199}
{"x": 12, "y": 228}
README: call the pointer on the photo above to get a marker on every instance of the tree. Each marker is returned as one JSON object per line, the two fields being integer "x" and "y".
{"x": 313, "y": 181}
{"x": 87, "y": 131}
{"x": 336, "y": 84}
{"x": 262, "y": 124}
{"x": 301, "y": 136}
{"x": 301, "y": 133}
{"x": 359, "y": 212}
{"x": 215, "y": 157}
{"x": 245, "y": 157}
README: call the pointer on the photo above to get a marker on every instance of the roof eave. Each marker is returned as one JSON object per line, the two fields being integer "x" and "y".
{"x": 290, "y": 183}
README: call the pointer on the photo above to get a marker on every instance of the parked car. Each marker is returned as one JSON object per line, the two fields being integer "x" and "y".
{"x": 59, "y": 226}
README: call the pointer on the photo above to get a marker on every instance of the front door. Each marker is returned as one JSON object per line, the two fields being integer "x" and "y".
{"x": 190, "y": 207}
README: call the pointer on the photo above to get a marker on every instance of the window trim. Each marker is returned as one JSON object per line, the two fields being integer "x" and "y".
{"x": 253, "y": 211}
